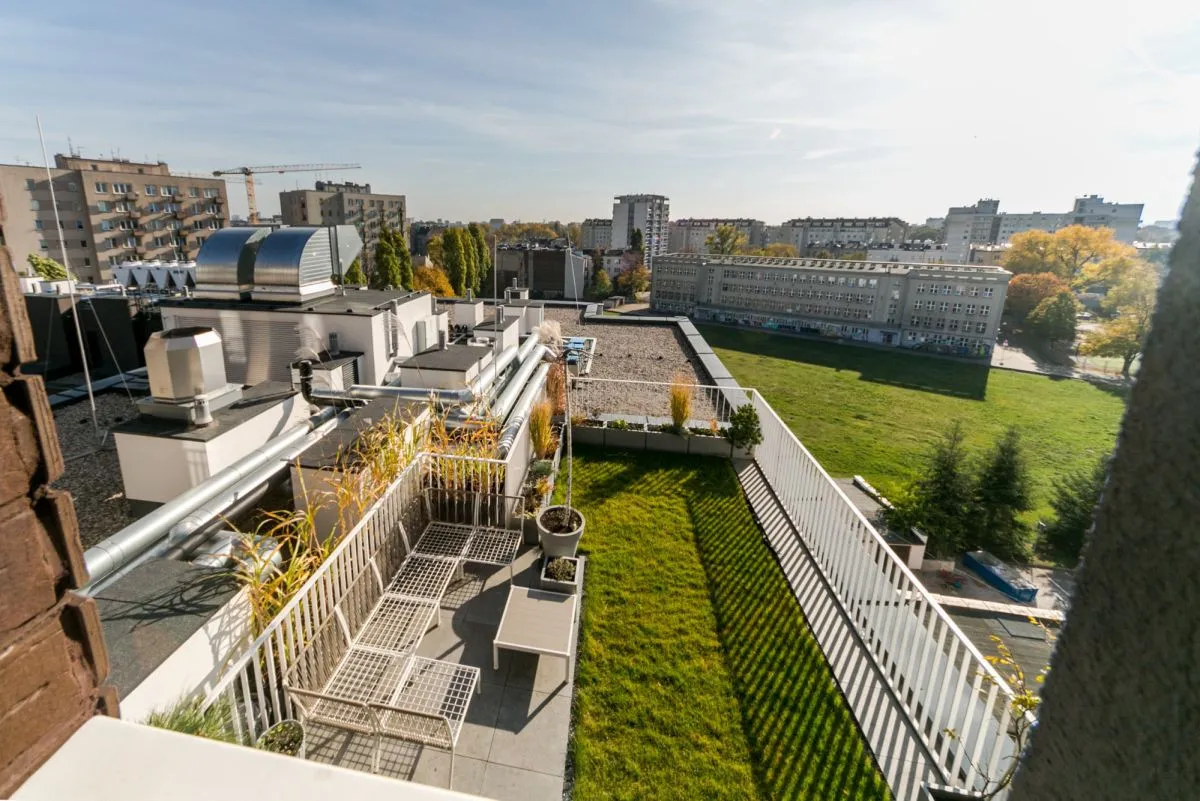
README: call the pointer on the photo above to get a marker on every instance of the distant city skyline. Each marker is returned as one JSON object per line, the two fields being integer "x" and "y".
{"x": 769, "y": 110}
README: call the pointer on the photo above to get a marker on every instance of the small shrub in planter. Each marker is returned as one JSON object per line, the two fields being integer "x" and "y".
{"x": 702, "y": 431}
{"x": 560, "y": 574}
{"x": 619, "y": 425}
{"x": 285, "y": 737}
{"x": 744, "y": 431}
{"x": 588, "y": 422}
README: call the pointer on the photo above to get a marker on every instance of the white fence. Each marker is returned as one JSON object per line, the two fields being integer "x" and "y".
{"x": 252, "y": 684}
{"x": 940, "y": 678}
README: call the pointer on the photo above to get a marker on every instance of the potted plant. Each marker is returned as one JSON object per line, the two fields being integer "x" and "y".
{"x": 285, "y": 737}
{"x": 744, "y": 431}
{"x": 560, "y": 574}
{"x": 560, "y": 528}
{"x": 709, "y": 441}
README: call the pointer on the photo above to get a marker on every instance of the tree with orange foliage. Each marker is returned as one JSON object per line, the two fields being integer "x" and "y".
{"x": 431, "y": 279}
{"x": 1026, "y": 291}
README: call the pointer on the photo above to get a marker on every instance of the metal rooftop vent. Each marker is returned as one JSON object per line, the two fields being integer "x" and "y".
{"x": 295, "y": 264}
{"x": 186, "y": 367}
{"x": 225, "y": 264}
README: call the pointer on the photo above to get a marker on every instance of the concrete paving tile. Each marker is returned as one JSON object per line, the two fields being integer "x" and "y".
{"x": 515, "y": 784}
{"x": 532, "y": 730}
{"x": 433, "y": 768}
{"x": 538, "y": 672}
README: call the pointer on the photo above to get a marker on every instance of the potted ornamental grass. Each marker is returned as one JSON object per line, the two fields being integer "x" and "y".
{"x": 560, "y": 527}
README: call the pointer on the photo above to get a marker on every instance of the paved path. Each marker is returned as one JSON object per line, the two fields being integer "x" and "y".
{"x": 898, "y": 750}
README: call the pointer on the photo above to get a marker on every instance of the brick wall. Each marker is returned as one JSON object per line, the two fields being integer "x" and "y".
{"x": 52, "y": 657}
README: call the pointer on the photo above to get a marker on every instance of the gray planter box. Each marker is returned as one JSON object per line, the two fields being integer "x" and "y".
{"x": 937, "y": 792}
{"x": 587, "y": 435}
{"x": 741, "y": 453}
{"x": 709, "y": 446}
{"x": 630, "y": 440}
{"x": 664, "y": 441}
{"x": 553, "y": 585}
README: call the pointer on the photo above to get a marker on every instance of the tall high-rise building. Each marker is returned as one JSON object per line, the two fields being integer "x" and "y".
{"x": 109, "y": 211}
{"x": 651, "y": 214}
{"x": 347, "y": 203}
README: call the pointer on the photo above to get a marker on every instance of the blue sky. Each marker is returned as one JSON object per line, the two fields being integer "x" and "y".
{"x": 541, "y": 110}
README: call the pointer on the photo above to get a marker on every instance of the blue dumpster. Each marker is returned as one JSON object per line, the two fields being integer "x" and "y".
{"x": 1003, "y": 577}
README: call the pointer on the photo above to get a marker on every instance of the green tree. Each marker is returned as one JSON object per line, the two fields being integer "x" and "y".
{"x": 939, "y": 501}
{"x": 454, "y": 260}
{"x": 434, "y": 250}
{"x": 725, "y": 241}
{"x": 601, "y": 284}
{"x": 483, "y": 261}
{"x": 1132, "y": 300}
{"x": 386, "y": 274}
{"x": 1054, "y": 318}
{"x": 400, "y": 245}
{"x": 575, "y": 234}
{"x": 923, "y": 233}
{"x": 779, "y": 250}
{"x": 1001, "y": 495}
{"x": 355, "y": 276}
{"x": 635, "y": 240}
{"x": 1026, "y": 291}
{"x": 471, "y": 272}
{"x": 45, "y": 268}
{"x": 634, "y": 280}
{"x": 1075, "y": 497}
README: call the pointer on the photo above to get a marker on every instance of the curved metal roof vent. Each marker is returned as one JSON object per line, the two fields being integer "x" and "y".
{"x": 295, "y": 264}
{"x": 225, "y": 263}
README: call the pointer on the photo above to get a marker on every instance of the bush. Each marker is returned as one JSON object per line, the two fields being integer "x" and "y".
{"x": 540, "y": 432}
{"x": 681, "y": 403}
{"x": 744, "y": 430}
{"x": 561, "y": 569}
{"x": 188, "y": 716}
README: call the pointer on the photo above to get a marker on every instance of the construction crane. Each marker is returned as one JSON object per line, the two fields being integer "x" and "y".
{"x": 249, "y": 172}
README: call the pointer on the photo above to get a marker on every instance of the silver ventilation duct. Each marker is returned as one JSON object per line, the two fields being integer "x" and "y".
{"x": 295, "y": 264}
{"x": 225, "y": 263}
{"x": 183, "y": 363}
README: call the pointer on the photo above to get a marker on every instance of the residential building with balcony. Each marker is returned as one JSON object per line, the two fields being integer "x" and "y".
{"x": 690, "y": 235}
{"x": 110, "y": 211}
{"x": 945, "y": 307}
{"x": 814, "y": 233}
{"x": 332, "y": 203}
{"x": 651, "y": 214}
{"x": 595, "y": 233}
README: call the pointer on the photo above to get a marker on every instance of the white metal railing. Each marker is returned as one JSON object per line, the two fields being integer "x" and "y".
{"x": 936, "y": 673}
{"x": 252, "y": 682}
{"x": 594, "y": 396}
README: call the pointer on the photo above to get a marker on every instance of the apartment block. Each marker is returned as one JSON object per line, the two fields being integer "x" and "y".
{"x": 690, "y": 235}
{"x": 332, "y": 203}
{"x": 648, "y": 213}
{"x": 110, "y": 211}
{"x": 595, "y": 234}
{"x": 944, "y": 307}
{"x": 984, "y": 224}
{"x": 812, "y": 233}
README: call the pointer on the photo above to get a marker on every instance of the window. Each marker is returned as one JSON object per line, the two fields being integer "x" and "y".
{"x": 985, "y": 309}
{"x": 129, "y": 242}
{"x": 957, "y": 308}
{"x": 193, "y": 191}
{"x": 980, "y": 328}
{"x": 42, "y": 244}
{"x": 103, "y": 206}
{"x": 987, "y": 291}
{"x": 943, "y": 306}
{"x": 35, "y": 205}
{"x": 970, "y": 308}
{"x": 152, "y": 190}
{"x": 30, "y": 184}
{"x": 72, "y": 186}
{"x": 110, "y": 244}
{"x": 79, "y": 225}
{"x": 974, "y": 292}
{"x": 120, "y": 189}
{"x": 38, "y": 225}
{"x": 101, "y": 187}
{"x": 152, "y": 208}
{"x": 106, "y": 225}
{"x": 171, "y": 190}
{"x": 214, "y": 193}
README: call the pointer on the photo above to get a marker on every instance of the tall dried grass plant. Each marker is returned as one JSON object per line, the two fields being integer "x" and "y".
{"x": 540, "y": 432}
{"x": 681, "y": 402}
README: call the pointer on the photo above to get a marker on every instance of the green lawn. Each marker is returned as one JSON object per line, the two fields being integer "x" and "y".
{"x": 698, "y": 677}
{"x": 873, "y": 412}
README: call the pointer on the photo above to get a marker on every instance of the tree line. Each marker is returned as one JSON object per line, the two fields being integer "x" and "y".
{"x": 1050, "y": 267}
{"x": 963, "y": 503}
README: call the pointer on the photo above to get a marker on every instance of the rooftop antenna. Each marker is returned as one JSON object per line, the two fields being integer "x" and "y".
{"x": 62, "y": 249}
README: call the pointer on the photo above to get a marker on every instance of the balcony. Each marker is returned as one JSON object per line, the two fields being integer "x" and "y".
{"x": 131, "y": 195}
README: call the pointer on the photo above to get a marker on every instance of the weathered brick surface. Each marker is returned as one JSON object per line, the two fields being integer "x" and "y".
{"x": 52, "y": 657}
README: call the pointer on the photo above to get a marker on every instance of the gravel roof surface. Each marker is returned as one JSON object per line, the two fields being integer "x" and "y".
{"x": 93, "y": 474}
{"x": 633, "y": 352}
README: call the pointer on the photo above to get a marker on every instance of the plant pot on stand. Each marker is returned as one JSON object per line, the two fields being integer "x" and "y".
{"x": 560, "y": 530}
{"x": 560, "y": 574}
